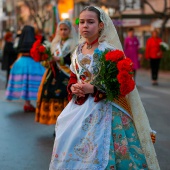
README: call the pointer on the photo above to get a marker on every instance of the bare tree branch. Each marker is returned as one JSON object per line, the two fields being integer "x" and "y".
{"x": 165, "y": 5}
{"x": 164, "y": 15}
{"x": 38, "y": 12}
{"x": 152, "y": 8}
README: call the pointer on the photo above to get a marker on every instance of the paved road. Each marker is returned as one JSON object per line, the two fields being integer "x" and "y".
{"x": 26, "y": 145}
{"x": 156, "y": 101}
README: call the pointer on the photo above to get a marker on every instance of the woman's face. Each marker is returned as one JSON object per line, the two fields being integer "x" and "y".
{"x": 89, "y": 25}
{"x": 130, "y": 33}
{"x": 64, "y": 31}
{"x": 154, "y": 34}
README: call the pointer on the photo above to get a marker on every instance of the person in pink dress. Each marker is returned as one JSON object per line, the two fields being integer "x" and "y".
{"x": 131, "y": 46}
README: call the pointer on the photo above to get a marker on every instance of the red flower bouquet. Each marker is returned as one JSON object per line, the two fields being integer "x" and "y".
{"x": 114, "y": 56}
{"x": 115, "y": 74}
{"x": 41, "y": 52}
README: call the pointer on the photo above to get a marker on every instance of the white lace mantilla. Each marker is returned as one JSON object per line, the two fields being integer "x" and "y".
{"x": 143, "y": 128}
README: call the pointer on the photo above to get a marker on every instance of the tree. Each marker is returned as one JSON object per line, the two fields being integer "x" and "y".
{"x": 164, "y": 14}
{"x": 39, "y": 11}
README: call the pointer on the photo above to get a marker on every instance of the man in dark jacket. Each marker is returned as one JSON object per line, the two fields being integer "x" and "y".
{"x": 9, "y": 54}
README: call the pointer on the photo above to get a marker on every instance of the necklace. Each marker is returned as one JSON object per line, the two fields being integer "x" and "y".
{"x": 89, "y": 46}
{"x": 64, "y": 39}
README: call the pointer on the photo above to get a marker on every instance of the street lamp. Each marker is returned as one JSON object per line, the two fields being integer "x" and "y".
{"x": 64, "y": 15}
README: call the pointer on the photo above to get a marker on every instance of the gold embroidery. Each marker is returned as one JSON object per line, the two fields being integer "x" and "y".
{"x": 122, "y": 101}
{"x": 81, "y": 64}
{"x": 86, "y": 148}
{"x": 53, "y": 81}
{"x": 85, "y": 61}
{"x": 100, "y": 95}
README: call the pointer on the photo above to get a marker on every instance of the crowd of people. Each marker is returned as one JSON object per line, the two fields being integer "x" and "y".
{"x": 101, "y": 134}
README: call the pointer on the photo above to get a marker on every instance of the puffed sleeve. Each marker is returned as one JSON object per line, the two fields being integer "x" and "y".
{"x": 98, "y": 95}
{"x": 79, "y": 100}
{"x": 73, "y": 80}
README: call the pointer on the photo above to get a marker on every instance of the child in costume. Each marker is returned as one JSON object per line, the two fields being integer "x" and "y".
{"x": 92, "y": 132}
{"x": 52, "y": 95}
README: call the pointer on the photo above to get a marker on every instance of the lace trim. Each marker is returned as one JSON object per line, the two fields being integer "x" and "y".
{"x": 143, "y": 128}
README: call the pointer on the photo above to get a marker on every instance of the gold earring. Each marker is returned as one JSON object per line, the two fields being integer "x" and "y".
{"x": 100, "y": 31}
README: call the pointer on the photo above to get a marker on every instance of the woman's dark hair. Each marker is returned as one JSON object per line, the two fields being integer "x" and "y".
{"x": 130, "y": 29}
{"x": 93, "y": 9}
{"x": 27, "y": 38}
{"x": 7, "y": 36}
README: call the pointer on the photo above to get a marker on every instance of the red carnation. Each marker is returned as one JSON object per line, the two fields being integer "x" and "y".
{"x": 123, "y": 77}
{"x": 42, "y": 49}
{"x": 37, "y": 43}
{"x": 44, "y": 57}
{"x": 39, "y": 37}
{"x": 125, "y": 65}
{"x": 35, "y": 54}
{"x": 38, "y": 51}
{"x": 127, "y": 87}
{"x": 118, "y": 69}
{"x": 114, "y": 56}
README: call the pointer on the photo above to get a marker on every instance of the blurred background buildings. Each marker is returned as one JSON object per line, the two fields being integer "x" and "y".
{"x": 142, "y": 15}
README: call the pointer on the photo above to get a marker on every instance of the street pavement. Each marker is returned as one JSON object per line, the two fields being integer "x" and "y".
{"x": 24, "y": 144}
{"x": 27, "y": 145}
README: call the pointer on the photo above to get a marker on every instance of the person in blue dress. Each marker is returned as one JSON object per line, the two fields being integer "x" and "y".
{"x": 93, "y": 133}
{"x": 26, "y": 74}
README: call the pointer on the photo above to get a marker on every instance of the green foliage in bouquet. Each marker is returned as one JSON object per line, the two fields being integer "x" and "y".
{"x": 164, "y": 46}
{"x": 114, "y": 73}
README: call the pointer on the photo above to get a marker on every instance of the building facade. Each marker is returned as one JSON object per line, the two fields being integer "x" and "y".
{"x": 127, "y": 13}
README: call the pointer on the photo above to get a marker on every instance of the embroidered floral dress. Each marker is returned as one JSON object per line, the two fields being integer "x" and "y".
{"x": 95, "y": 135}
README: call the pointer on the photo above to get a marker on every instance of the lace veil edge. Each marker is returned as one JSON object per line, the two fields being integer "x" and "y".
{"x": 143, "y": 128}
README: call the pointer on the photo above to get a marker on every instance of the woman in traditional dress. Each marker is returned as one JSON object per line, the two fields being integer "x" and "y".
{"x": 26, "y": 74}
{"x": 91, "y": 132}
{"x": 52, "y": 96}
